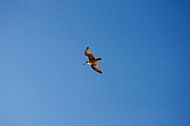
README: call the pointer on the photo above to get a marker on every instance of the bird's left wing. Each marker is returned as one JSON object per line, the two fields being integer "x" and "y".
{"x": 96, "y": 68}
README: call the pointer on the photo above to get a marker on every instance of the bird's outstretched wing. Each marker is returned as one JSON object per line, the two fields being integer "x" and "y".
{"x": 96, "y": 68}
{"x": 88, "y": 53}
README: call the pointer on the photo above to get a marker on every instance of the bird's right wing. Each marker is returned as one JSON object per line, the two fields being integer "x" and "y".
{"x": 88, "y": 53}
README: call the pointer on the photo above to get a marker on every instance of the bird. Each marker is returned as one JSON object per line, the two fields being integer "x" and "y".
{"x": 92, "y": 60}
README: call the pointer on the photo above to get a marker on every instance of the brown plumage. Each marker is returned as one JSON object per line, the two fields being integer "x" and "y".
{"x": 92, "y": 61}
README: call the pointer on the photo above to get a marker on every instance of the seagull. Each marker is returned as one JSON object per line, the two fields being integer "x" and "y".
{"x": 92, "y": 61}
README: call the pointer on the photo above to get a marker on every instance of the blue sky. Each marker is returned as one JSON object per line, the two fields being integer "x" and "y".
{"x": 144, "y": 46}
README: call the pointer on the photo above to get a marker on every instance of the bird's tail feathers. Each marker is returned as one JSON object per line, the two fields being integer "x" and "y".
{"x": 98, "y": 59}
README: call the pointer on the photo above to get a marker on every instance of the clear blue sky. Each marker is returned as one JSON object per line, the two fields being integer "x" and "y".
{"x": 145, "y": 51}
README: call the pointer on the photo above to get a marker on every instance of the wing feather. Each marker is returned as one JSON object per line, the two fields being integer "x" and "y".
{"x": 96, "y": 68}
{"x": 88, "y": 53}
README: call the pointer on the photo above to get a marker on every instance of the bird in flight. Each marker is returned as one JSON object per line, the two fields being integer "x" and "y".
{"x": 92, "y": 61}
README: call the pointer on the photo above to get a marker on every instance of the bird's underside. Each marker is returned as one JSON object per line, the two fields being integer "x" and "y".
{"x": 92, "y": 61}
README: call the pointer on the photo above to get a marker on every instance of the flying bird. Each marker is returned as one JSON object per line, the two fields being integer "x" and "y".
{"x": 92, "y": 61}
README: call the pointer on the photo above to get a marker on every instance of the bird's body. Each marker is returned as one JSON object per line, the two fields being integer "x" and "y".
{"x": 92, "y": 61}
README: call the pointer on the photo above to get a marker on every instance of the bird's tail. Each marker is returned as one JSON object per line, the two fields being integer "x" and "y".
{"x": 98, "y": 59}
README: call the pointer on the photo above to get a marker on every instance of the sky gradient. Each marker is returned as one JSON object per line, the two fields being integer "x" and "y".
{"x": 144, "y": 46}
